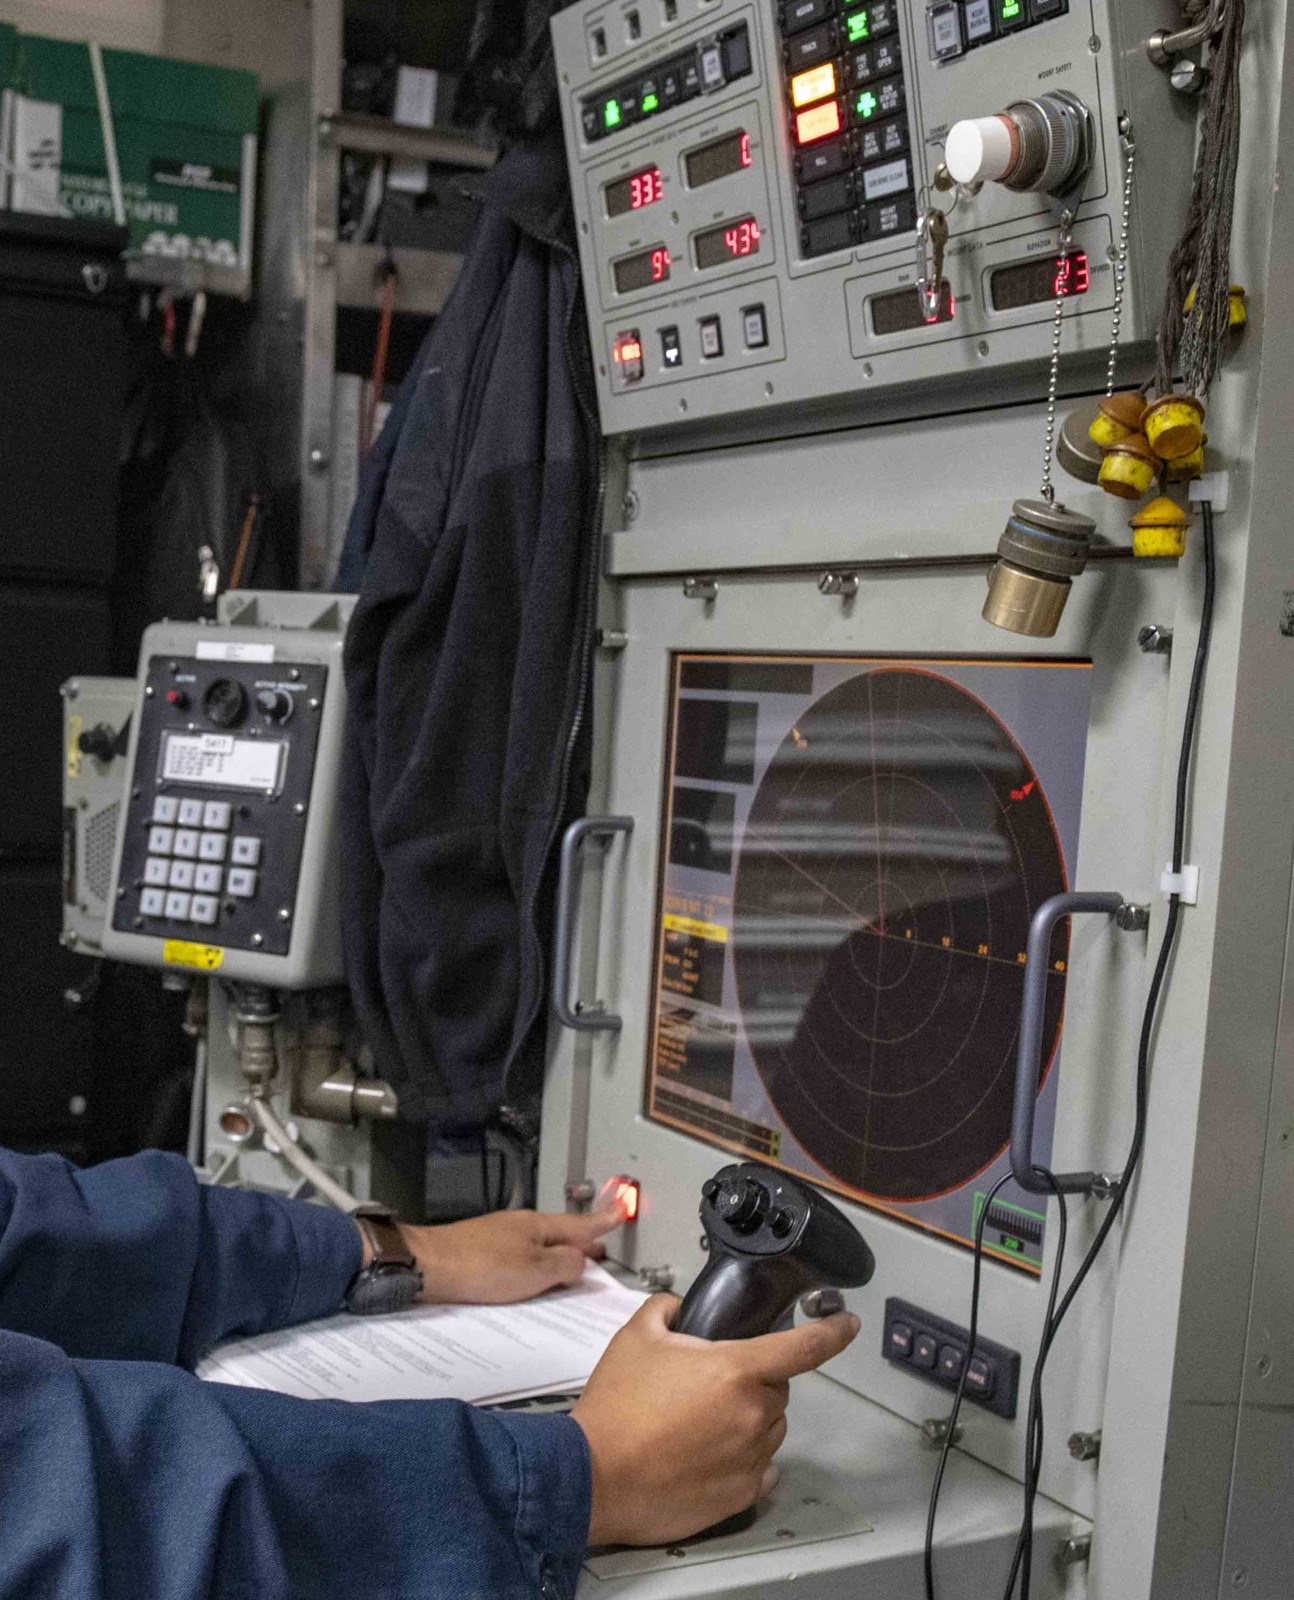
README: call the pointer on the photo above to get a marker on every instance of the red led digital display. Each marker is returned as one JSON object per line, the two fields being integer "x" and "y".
{"x": 634, "y": 191}
{"x": 1073, "y": 276}
{"x": 730, "y": 241}
{"x": 1031, "y": 283}
{"x": 641, "y": 270}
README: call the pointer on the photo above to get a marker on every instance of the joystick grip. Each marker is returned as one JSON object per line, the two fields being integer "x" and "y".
{"x": 740, "y": 1297}
{"x": 771, "y": 1240}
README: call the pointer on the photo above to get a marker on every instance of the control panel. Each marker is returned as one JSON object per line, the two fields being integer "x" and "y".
{"x": 930, "y": 1347}
{"x": 225, "y": 854}
{"x": 758, "y": 185}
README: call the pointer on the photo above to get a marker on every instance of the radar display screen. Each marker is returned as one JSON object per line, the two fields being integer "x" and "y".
{"x": 855, "y": 848}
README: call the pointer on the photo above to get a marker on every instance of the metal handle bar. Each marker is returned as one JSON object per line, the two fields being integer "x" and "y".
{"x": 1029, "y": 1058}
{"x": 592, "y": 1018}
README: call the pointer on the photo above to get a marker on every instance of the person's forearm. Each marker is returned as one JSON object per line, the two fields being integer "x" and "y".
{"x": 136, "y": 1259}
{"x": 132, "y": 1478}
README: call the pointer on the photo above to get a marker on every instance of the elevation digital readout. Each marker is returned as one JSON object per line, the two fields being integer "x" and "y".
{"x": 634, "y": 191}
{"x": 1030, "y": 283}
{"x": 719, "y": 159}
{"x": 640, "y": 271}
{"x": 730, "y": 241}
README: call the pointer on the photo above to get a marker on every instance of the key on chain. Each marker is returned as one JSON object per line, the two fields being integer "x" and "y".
{"x": 932, "y": 240}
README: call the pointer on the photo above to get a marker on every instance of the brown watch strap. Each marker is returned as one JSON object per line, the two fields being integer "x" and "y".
{"x": 382, "y": 1230}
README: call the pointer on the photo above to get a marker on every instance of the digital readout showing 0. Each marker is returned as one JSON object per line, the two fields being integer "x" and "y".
{"x": 1030, "y": 283}
{"x": 730, "y": 241}
{"x": 642, "y": 270}
{"x": 718, "y": 160}
{"x": 633, "y": 192}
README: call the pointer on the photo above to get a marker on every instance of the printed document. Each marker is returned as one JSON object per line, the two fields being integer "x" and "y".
{"x": 474, "y": 1353}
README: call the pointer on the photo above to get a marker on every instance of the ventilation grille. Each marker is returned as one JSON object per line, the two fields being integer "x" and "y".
{"x": 100, "y": 838}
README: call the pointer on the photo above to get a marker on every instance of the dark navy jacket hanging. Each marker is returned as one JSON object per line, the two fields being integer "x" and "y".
{"x": 474, "y": 547}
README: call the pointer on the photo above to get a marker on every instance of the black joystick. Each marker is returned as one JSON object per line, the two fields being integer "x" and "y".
{"x": 771, "y": 1240}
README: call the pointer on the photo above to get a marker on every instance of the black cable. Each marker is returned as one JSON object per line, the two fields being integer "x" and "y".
{"x": 1022, "y": 1560}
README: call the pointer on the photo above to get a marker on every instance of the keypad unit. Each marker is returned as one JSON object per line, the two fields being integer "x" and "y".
{"x": 219, "y": 802}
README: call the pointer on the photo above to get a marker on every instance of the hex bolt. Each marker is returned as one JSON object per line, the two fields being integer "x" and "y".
{"x": 934, "y": 1430}
{"x": 580, "y": 1191}
{"x": 1085, "y": 1446}
{"x": 1075, "y": 1551}
{"x": 1132, "y": 918}
{"x": 656, "y": 1277}
{"x": 1155, "y": 639}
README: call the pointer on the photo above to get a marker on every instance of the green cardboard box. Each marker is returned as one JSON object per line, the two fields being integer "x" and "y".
{"x": 185, "y": 138}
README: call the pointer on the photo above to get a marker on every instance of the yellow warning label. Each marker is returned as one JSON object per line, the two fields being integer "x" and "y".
{"x": 699, "y": 930}
{"x": 74, "y": 726}
{"x": 180, "y": 953}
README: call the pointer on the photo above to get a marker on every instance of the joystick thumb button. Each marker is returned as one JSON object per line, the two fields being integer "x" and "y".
{"x": 822, "y": 1303}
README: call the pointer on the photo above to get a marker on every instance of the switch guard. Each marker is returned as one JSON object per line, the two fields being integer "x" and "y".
{"x": 1003, "y": 1364}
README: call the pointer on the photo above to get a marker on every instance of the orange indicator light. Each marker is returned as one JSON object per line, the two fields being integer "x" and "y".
{"x": 815, "y": 84}
{"x": 820, "y": 123}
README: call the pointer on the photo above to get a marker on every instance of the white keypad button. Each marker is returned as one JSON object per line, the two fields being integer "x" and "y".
{"x": 165, "y": 808}
{"x": 216, "y": 814}
{"x": 181, "y": 874}
{"x": 152, "y": 902}
{"x": 204, "y": 909}
{"x": 207, "y": 880}
{"x": 157, "y": 871}
{"x": 186, "y": 843}
{"x": 190, "y": 813}
{"x": 160, "y": 841}
{"x": 177, "y": 906}
{"x": 242, "y": 882}
{"x": 212, "y": 846}
{"x": 247, "y": 852}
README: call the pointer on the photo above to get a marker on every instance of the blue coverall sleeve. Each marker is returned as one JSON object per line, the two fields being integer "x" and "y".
{"x": 136, "y": 1259}
{"x": 129, "y": 1477}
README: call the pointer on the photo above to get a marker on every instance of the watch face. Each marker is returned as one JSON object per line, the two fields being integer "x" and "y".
{"x": 382, "y": 1288}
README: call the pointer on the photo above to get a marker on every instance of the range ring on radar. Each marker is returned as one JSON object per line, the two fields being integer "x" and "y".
{"x": 896, "y": 849}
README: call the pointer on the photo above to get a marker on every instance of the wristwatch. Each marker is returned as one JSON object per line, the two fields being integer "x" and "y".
{"x": 391, "y": 1281}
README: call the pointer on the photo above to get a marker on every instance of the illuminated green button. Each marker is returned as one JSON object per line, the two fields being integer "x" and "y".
{"x": 611, "y": 114}
{"x": 650, "y": 102}
{"x": 867, "y": 105}
{"x": 1011, "y": 14}
{"x": 857, "y": 29}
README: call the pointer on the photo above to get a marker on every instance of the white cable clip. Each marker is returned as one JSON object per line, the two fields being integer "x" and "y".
{"x": 1214, "y": 487}
{"x": 1184, "y": 884}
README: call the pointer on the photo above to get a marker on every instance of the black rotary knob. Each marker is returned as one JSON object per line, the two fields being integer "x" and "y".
{"x": 743, "y": 1204}
{"x": 225, "y": 702}
{"x": 275, "y": 705}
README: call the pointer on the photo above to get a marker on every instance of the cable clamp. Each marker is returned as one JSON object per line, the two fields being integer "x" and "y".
{"x": 1184, "y": 884}
{"x": 1215, "y": 487}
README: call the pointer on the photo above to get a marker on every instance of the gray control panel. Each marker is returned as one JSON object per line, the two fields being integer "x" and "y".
{"x": 225, "y": 858}
{"x": 750, "y": 176}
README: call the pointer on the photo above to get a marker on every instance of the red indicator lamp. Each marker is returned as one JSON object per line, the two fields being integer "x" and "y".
{"x": 627, "y": 350}
{"x": 622, "y": 1193}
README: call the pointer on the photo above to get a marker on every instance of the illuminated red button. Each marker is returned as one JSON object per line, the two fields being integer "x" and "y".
{"x": 622, "y": 1193}
{"x": 627, "y": 353}
{"x": 818, "y": 83}
{"x": 822, "y": 122}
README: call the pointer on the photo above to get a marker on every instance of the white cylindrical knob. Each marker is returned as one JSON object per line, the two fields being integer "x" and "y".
{"x": 981, "y": 149}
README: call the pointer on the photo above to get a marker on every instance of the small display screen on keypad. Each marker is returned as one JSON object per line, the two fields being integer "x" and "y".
{"x": 198, "y": 861}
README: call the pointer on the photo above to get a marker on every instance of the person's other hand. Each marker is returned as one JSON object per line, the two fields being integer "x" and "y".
{"x": 507, "y": 1255}
{"x": 682, "y": 1431}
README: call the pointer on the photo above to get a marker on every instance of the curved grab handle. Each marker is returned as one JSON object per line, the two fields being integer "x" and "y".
{"x": 1029, "y": 1058}
{"x": 582, "y": 1018}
